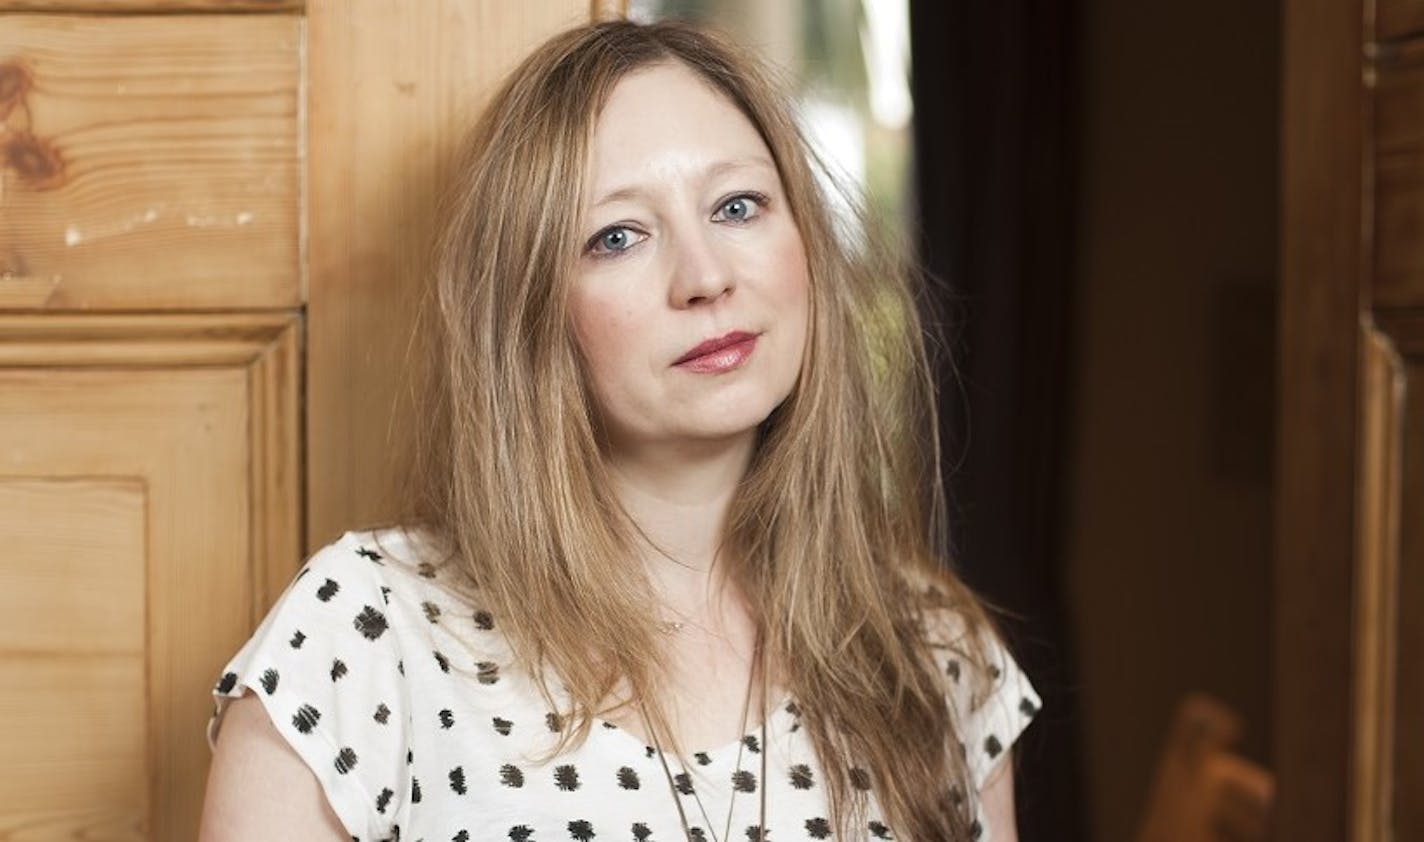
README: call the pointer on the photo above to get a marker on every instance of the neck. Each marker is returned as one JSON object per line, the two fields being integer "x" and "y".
{"x": 678, "y": 496}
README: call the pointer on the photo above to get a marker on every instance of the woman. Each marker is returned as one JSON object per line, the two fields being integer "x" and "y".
{"x": 679, "y": 490}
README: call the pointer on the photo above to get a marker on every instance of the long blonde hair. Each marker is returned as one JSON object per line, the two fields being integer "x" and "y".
{"x": 835, "y": 535}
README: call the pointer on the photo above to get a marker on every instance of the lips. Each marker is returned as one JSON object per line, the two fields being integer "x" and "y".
{"x": 722, "y": 353}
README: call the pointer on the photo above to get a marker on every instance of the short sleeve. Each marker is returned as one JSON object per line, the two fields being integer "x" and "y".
{"x": 991, "y": 727}
{"x": 327, "y": 668}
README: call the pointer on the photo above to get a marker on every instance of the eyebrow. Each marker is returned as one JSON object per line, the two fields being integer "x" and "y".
{"x": 711, "y": 172}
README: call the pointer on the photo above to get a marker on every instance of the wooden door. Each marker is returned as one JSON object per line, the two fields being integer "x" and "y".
{"x": 1349, "y": 745}
{"x": 208, "y": 217}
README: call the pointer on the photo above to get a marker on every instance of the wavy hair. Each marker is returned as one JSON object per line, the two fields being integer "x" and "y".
{"x": 836, "y": 533}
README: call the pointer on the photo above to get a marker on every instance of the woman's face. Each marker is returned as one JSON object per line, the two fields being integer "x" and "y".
{"x": 690, "y": 299}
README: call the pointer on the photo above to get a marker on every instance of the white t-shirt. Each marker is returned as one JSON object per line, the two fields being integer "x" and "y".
{"x": 397, "y": 696}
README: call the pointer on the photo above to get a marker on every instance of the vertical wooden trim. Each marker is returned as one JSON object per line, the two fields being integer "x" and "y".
{"x": 274, "y": 431}
{"x": 1323, "y": 256}
{"x": 608, "y": 9}
{"x": 1376, "y": 585}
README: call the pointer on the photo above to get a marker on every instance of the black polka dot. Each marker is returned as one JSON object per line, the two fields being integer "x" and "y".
{"x": 627, "y": 778}
{"x": 443, "y": 661}
{"x": 511, "y": 775}
{"x": 457, "y": 780}
{"x": 641, "y": 831}
{"x": 566, "y": 777}
{"x": 818, "y": 828}
{"x": 345, "y": 760}
{"x": 750, "y": 741}
{"x": 554, "y": 722}
{"x": 370, "y": 623}
{"x": 338, "y": 669}
{"x": 519, "y": 833}
{"x": 580, "y": 830}
{"x": 801, "y": 777}
{"x": 683, "y": 782}
{"x": 383, "y": 800}
{"x": 697, "y": 834}
{"x": 228, "y": 682}
{"x": 502, "y": 726}
{"x": 879, "y": 830}
{"x": 432, "y": 611}
{"x": 369, "y": 555}
{"x": 462, "y": 836}
{"x": 703, "y": 759}
{"x": 383, "y": 713}
{"x": 487, "y": 672}
{"x": 306, "y": 718}
{"x": 269, "y": 681}
{"x": 1027, "y": 707}
{"x": 297, "y": 640}
{"x": 447, "y": 719}
{"x": 385, "y": 595}
{"x": 328, "y": 590}
{"x": 744, "y": 781}
{"x": 756, "y": 834}
{"x": 426, "y": 569}
{"x": 992, "y": 747}
{"x": 414, "y": 790}
{"x": 483, "y": 620}
{"x": 953, "y": 670}
{"x": 859, "y": 778}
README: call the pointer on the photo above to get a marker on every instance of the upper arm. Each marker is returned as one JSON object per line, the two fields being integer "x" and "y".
{"x": 996, "y": 801}
{"x": 258, "y": 788}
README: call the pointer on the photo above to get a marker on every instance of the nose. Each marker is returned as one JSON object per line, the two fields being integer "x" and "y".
{"x": 701, "y": 270}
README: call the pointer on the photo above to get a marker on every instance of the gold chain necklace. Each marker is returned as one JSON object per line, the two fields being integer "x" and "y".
{"x": 741, "y": 745}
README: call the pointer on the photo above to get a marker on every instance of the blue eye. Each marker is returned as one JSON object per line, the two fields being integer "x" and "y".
{"x": 611, "y": 241}
{"x": 615, "y": 240}
{"x": 742, "y": 207}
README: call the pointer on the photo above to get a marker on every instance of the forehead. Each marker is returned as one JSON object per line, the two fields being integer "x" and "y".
{"x": 663, "y": 122}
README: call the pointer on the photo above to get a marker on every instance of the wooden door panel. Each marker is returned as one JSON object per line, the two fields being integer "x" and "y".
{"x": 140, "y": 562}
{"x": 149, "y": 5}
{"x": 149, "y": 161}
{"x": 1398, "y": 18}
{"x": 72, "y": 607}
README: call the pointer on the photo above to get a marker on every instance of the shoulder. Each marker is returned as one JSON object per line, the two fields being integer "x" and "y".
{"x": 991, "y": 698}
{"x": 333, "y": 665}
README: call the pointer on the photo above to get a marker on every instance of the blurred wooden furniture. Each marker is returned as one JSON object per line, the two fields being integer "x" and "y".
{"x": 1202, "y": 790}
{"x": 213, "y": 224}
{"x": 1349, "y": 744}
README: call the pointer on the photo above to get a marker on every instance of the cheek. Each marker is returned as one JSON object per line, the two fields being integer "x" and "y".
{"x": 602, "y": 328}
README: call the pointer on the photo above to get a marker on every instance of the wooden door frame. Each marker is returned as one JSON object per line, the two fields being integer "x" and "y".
{"x": 1324, "y": 260}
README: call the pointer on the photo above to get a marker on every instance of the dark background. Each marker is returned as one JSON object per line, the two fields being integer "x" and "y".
{"x": 1097, "y": 183}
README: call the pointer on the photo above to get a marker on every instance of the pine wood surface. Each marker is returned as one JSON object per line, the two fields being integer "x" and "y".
{"x": 391, "y": 95}
{"x": 161, "y": 6}
{"x": 150, "y": 162}
{"x": 150, "y": 501}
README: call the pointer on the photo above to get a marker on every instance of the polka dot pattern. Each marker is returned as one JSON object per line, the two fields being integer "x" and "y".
{"x": 401, "y": 700}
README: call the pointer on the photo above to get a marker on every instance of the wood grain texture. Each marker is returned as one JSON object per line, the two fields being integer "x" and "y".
{"x": 1398, "y": 154}
{"x": 209, "y": 441}
{"x": 149, "y": 162}
{"x": 116, "y": 6}
{"x": 391, "y": 94}
{"x": 72, "y": 658}
{"x": 1395, "y": 19}
{"x": 1323, "y": 255}
{"x": 1406, "y": 333}
{"x": 1376, "y": 586}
